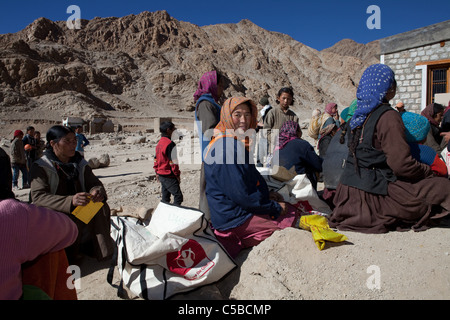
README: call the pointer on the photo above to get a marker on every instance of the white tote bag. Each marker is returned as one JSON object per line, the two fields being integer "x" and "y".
{"x": 445, "y": 154}
{"x": 176, "y": 252}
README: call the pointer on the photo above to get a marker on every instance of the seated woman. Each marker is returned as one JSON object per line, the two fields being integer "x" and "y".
{"x": 383, "y": 187}
{"x": 32, "y": 242}
{"x": 326, "y": 135}
{"x": 445, "y": 124}
{"x": 434, "y": 113}
{"x": 62, "y": 180}
{"x": 242, "y": 213}
{"x": 417, "y": 128}
{"x": 329, "y": 116}
{"x": 292, "y": 151}
{"x": 336, "y": 155}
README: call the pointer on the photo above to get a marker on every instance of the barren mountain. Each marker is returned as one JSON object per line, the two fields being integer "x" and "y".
{"x": 148, "y": 65}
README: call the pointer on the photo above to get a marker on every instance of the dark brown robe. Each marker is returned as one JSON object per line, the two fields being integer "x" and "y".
{"x": 412, "y": 200}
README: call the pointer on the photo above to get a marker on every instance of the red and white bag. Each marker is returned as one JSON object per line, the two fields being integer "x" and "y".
{"x": 176, "y": 252}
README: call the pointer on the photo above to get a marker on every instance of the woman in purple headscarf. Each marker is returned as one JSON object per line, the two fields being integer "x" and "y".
{"x": 207, "y": 115}
{"x": 383, "y": 188}
{"x": 207, "y": 109}
{"x": 292, "y": 151}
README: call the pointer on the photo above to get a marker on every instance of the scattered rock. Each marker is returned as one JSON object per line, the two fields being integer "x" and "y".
{"x": 135, "y": 140}
{"x": 94, "y": 163}
{"x": 104, "y": 160}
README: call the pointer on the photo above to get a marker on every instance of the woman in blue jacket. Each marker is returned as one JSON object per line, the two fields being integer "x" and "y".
{"x": 242, "y": 212}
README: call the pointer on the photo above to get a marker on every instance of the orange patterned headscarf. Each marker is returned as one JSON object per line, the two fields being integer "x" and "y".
{"x": 226, "y": 121}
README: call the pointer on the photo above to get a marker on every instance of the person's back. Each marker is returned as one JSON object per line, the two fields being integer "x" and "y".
{"x": 29, "y": 139}
{"x": 17, "y": 152}
{"x": 163, "y": 163}
{"x": 300, "y": 154}
{"x": 6, "y": 174}
{"x": 166, "y": 165}
{"x": 27, "y": 231}
{"x": 445, "y": 124}
{"x": 426, "y": 154}
{"x": 335, "y": 158}
{"x": 417, "y": 128}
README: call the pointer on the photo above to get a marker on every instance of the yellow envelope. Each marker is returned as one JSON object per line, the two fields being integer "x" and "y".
{"x": 87, "y": 212}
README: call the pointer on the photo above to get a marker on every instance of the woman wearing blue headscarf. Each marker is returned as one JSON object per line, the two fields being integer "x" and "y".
{"x": 383, "y": 188}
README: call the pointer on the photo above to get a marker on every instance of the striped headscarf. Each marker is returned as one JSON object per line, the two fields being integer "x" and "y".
{"x": 207, "y": 84}
{"x": 288, "y": 132}
{"x": 373, "y": 87}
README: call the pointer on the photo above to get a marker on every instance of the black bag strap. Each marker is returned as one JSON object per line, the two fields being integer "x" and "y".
{"x": 109, "y": 277}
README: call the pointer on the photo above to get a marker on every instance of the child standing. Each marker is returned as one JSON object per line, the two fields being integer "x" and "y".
{"x": 82, "y": 141}
{"x": 165, "y": 165}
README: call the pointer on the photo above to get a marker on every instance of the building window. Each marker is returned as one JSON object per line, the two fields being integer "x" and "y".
{"x": 438, "y": 81}
{"x": 438, "y": 78}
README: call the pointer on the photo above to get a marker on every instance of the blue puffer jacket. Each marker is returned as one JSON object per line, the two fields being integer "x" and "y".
{"x": 234, "y": 188}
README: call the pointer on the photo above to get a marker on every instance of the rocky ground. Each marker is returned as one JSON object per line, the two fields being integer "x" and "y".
{"x": 288, "y": 265}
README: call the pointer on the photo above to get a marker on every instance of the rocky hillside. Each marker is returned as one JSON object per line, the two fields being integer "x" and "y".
{"x": 148, "y": 65}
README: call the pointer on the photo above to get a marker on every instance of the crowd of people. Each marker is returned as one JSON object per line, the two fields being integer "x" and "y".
{"x": 380, "y": 166}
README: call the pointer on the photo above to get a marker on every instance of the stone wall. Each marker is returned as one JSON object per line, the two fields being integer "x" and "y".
{"x": 409, "y": 79}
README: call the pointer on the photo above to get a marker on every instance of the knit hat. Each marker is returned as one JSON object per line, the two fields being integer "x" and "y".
{"x": 264, "y": 101}
{"x": 18, "y": 133}
{"x": 417, "y": 126}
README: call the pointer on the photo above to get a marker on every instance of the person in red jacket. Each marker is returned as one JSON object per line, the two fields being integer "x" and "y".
{"x": 166, "y": 167}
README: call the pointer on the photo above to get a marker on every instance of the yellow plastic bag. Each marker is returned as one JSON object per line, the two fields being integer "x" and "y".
{"x": 320, "y": 230}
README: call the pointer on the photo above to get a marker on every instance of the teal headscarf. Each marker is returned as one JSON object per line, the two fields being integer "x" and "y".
{"x": 348, "y": 112}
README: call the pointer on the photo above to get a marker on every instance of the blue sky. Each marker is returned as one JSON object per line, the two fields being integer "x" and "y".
{"x": 316, "y": 23}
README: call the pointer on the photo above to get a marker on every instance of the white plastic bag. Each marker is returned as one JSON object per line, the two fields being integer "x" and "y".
{"x": 176, "y": 252}
{"x": 445, "y": 154}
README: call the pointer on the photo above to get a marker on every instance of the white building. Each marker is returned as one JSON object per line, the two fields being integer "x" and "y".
{"x": 421, "y": 61}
